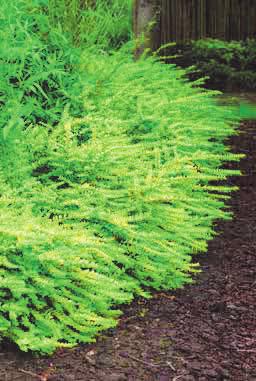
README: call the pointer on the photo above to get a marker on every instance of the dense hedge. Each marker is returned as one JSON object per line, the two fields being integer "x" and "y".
{"x": 105, "y": 181}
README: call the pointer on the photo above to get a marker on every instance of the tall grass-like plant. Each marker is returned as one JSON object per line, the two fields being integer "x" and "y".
{"x": 108, "y": 192}
{"x": 36, "y": 64}
{"x": 105, "y": 23}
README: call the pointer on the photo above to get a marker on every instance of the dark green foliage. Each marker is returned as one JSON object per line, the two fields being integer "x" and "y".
{"x": 105, "y": 180}
{"x": 229, "y": 65}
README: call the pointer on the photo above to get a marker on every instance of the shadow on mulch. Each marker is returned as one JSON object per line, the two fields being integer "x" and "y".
{"x": 206, "y": 331}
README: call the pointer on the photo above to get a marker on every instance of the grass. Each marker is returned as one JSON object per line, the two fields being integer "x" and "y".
{"x": 104, "y": 23}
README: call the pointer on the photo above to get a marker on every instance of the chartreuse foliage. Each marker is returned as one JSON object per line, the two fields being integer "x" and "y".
{"x": 106, "y": 181}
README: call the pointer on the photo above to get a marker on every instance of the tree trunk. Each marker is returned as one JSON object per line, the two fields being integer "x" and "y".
{"x": 145, "y": 12}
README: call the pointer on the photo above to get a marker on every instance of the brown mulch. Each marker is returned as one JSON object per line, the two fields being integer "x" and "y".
{"x": 206, "y": 331}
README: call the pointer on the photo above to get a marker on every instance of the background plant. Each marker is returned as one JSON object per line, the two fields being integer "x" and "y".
{"x": 229, "y": 65}
{"x": 105, "y": 23}
{"x": 36, "y": 63}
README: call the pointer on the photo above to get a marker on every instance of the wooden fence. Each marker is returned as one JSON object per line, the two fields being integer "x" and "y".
{"x": 181, "y": 20}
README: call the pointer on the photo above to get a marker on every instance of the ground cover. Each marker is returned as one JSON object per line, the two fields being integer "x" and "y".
{"x": 106, "y": 180}
{"x": 203, "y": 332}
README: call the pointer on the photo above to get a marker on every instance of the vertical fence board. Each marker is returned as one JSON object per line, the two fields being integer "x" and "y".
{"x": 182, "y": 20}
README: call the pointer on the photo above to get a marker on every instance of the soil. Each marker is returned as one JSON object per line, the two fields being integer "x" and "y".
{"x": 206, "y": 331}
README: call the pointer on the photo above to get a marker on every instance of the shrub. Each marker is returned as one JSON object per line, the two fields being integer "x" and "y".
{"x": 229, "y": 65}
{"x": 107, "y": 203}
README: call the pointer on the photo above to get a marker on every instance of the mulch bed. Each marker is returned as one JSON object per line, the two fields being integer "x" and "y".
{"x": 206, "y": 331}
